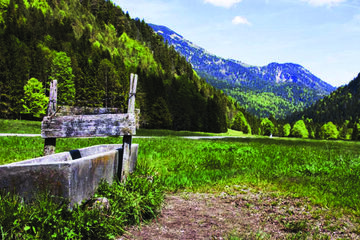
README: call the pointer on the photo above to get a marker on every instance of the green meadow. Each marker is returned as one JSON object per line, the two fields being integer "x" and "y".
{"x": 329, "y": 171}
{"x": 19, "y": 126}
{"x": 326, "y": 172}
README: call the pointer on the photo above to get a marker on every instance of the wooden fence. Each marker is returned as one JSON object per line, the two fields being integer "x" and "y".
{"x": 101, "y": 125}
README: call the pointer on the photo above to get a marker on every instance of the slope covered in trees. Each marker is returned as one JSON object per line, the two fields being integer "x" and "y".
{"x": 335, "y": 116}
{"x": 340, "y": 106}
{"x": 91, "y": 47}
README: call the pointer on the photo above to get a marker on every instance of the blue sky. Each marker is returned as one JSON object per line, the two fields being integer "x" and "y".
{"x": 321, "y": 35}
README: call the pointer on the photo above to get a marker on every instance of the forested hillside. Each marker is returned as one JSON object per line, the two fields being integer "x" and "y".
{"x": 341, "y": 107}
{"x": 91, "y": 47}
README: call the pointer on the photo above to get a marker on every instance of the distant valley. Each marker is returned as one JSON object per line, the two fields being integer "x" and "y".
{"x": 275, "y": 89}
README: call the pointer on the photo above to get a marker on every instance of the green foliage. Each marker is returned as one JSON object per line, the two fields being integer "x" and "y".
{"x": 345, "y": 131}
{"x": 35, "y": 101}
{"x": 311, "y": 127}
{"x": 62, "y": 72}
{"x": 356, "y": 132}
{"x": 3, "y": 5}
{"x": 264, "y": 104}
{"x": 241, "y": 124}
{"x": 91, "y": 47}
{"x": 299, "y": 130}
{"x": 267, "y": 127}
{"x": 41, "y": 5}
{"x": 137, "y": 200}
{"x": 340, "y": 106}
{"x": 160, "y": 115}
{"x": 329, "y": 131}
{"x": 137, "y": 55}
{"x": 287, "y": 129}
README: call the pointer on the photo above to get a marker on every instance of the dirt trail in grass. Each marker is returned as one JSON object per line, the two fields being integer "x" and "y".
{"x": 246, "y": 215}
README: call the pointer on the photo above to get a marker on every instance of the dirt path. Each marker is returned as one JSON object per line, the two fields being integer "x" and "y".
{"x": 245, "y": 215}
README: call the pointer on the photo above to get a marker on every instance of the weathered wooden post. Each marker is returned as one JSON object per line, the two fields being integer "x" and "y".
{"x": 127, "y": 139}
{"x": 53, "y": 127}
{"x": 50, "y": 143}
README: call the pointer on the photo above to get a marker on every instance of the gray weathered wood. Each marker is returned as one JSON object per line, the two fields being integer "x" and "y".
{"x": 88, "y": 126}
{"x": 50, "y": 143}
{"x": 52, "y": 98}
{"x": 127, "y": 140}
{"x": 132, "y": 93}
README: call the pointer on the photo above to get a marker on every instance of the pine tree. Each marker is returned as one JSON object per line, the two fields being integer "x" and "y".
{"x": 61, "y": 71}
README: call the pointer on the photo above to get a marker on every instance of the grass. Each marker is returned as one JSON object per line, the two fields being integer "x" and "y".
{"x": 326, "y": 172}
{"x": 20, "y": 126}
{"x": 329, "y": 172}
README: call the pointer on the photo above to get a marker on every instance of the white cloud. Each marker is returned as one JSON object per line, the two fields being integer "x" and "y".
{"x": 328, "y": 3}
{"x": 240, "y": 20}
{"x": 223, "y": 3}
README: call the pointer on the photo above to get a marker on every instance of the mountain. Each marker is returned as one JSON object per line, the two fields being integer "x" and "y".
{"x": 91, "y": 47}
{"x": 275, "y": 89}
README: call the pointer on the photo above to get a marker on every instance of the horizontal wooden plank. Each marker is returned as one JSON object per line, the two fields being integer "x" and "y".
{"x": 75, "y": 110}
{"x": 88, "y": 126}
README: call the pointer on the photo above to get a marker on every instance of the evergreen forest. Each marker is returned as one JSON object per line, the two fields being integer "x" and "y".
{"x": 340, "y": 111}
{"x": 91, "y": 47}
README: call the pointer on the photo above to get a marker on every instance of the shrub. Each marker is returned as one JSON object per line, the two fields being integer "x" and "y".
{"x": 267, "y": 127}
{"x": 287, "y": 129}
{"x": 329, "y": 131}
{"x": 35, "y": 101}
{"x": 241, "y": 124}
{"x": 299, "y": 130}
